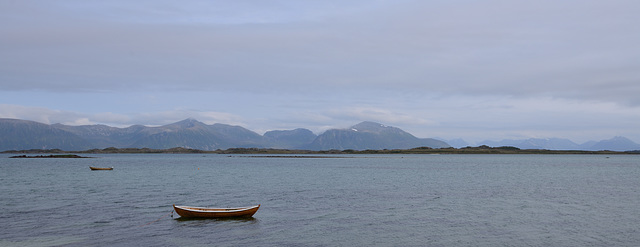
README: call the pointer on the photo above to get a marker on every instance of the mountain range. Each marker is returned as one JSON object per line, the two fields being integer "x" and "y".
{"x": 18, "y": 134}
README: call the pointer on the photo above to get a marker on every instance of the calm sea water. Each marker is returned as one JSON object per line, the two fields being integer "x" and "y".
{"x": 398, "y": 200}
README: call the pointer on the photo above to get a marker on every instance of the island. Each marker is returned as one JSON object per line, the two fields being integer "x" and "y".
{"x": 66, "y": 156}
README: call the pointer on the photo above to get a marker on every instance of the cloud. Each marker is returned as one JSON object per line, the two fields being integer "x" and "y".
{"x": 566, "y": 49}
{"x": 358, "y": 114}
{"x": 172, "y": 116}
{"x": 51, "y": 116}
{"x": 39, "y": 114}
{"x": 433, "y": 68}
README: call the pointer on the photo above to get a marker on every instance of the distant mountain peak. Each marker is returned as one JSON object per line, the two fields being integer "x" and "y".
{"x": 185, "y": 124}
{"x": 617, "y": 143}
{"x": 290, "y": 138}
{"x": 619, "y": 138}
{"x": 368, "y": 126}
{"x": 371, "y": 135}
{"x": 189, "y": 120}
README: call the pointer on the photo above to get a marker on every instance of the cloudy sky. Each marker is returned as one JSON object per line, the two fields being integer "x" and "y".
{"x": 477, "y": 70}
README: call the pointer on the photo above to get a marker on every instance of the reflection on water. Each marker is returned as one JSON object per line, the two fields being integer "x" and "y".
{"x": 226, "y": 219}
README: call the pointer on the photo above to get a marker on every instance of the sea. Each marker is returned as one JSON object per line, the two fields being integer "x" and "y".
{"x": 331, "y": 200}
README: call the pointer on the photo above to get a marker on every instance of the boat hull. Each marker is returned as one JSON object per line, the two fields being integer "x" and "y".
{"x": 198, "y": 212}
{"x": 100, "y": 168}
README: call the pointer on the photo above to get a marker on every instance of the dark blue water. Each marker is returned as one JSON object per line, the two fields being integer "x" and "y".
{"x": 421, "y": 200}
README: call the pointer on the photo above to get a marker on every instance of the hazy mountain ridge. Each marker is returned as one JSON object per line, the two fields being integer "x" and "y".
{"x": 290, "y": 139}
{"x": 535, "y": 143}
{"x": 617, "y": 143}
{"x": 22, "y": 134}
{"x": 105, "y": 136}
{"x": 370, "y": 135}
{"x": 190, "y": 133}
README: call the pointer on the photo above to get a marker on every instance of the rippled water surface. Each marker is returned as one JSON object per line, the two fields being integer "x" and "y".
{"x": 398, "y": 200}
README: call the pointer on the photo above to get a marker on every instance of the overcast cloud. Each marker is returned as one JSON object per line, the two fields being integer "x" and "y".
{"x": 452, "y": 69}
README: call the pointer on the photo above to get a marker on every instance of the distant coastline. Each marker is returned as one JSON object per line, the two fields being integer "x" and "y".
{"x": 65, "y": 156}
{"x": 268, "y": 151}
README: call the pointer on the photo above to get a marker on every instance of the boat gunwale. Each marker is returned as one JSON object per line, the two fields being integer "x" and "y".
{"x": 216, "y": 210}
{"x": 100, "y": 168}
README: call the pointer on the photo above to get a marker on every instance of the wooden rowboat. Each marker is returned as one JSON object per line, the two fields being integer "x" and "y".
{"x": 197, "y": 212}
{"x": 100, "y": 168}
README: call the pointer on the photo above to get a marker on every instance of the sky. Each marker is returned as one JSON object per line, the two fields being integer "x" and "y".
{"x": 476, "y": 70}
